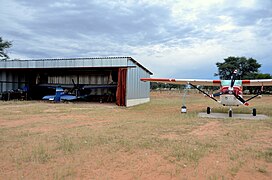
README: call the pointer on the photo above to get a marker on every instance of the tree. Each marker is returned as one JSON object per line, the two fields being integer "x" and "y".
{"x": 4, "y": 45}
{"x": 247, "y": 68}
{"x": 263, "y": 76}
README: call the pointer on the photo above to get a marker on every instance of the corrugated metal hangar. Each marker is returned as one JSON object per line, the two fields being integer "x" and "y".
{"x": 109, "y": 79}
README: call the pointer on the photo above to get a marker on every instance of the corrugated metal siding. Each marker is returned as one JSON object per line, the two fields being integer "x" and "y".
{"x": 83, "y": 79}
{"x": 92, "y": 79}
{"x": 137, "y": 89}
{"x": 65, "y": 63}
{"x": 3, "y": 78}
{"x": 11, "y": 81}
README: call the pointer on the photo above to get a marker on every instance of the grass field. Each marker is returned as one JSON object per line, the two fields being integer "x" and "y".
{"x": 40, "y": 140}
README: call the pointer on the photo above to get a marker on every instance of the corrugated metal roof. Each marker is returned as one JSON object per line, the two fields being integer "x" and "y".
{"x": 70, "y": 63}
{"x": 136, "y": 62}
{"x": 78, "y": 58}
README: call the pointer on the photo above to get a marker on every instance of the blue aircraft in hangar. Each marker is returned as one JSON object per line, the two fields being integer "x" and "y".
{"x": 60, "y": 96}
{"x": 63, "y": 95}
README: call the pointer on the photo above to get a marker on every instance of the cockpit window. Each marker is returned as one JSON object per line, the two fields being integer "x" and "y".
{"x": 227, "y": 83}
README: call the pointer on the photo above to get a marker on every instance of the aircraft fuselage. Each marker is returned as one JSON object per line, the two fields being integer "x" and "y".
{"x": 227, "y": 97}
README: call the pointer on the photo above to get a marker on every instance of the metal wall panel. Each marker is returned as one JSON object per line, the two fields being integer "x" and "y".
{"x": 107, "y": 63}
{"x": 65, "y": 63}
{"x": 11, "y": 80}
{"x": 137, "y": 89}
{"x": 32, "y": 64}
{"x": 3, "y": 77}
{"x": 89, "y": 79}
{"x": 62, "y": 63}
{"x": 97, "y": 62}
{"x": 39, "y": 64}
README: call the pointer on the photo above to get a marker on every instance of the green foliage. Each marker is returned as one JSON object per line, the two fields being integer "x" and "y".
{"x": 247, "y": 68}
{"x": 263, "y": 76}
{"x": 4, "y": 45}
{"x": 155, "y": 85}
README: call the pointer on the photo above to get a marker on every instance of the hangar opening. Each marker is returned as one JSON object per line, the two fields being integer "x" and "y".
{"x": 110, "y": 79}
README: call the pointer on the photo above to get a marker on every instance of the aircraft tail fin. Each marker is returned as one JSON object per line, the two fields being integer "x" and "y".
{"x": 59, "y": 92}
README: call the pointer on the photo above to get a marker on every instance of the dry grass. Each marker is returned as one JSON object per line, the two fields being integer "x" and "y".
{"x": 66, "y": 141}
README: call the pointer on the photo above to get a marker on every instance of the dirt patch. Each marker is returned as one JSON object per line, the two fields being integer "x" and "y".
{"x": 255, "y": 170}
{"x": 210, "y": 129}
{"x": 141, "y": 164}
{"x": 264, "y": 138}
{"x": 170, "y": 136}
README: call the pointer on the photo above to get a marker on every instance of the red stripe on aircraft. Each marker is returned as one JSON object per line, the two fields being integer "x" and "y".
{"x": 245, "y": 81}
{"x": 216, "y": 81}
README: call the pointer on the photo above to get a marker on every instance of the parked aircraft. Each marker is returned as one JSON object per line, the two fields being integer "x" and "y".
{"x": 60, "y": 95}
{"x": 231, "y": 91}
{"x": 75, "y": 92}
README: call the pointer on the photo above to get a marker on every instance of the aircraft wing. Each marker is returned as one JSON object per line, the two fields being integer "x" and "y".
{"x": 195, "y": 82}
{"x": 257, "y": 82}
{"x": 53, "y": 86}
{"x": 49, "y": 97}
{"x": 100, "y": 86}
{"x": 83, "y": 86}
{"x": 68, "y": 97}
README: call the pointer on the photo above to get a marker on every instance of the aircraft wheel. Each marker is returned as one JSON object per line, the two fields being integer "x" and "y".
{"x": 208, "y": 110}
{"x": 230, "y": 113}
{"x": 254, "y": 112}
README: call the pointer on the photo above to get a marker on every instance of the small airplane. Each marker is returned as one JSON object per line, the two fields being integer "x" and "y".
{"x": 74, "y": 93}
{"x": 231, "y": 91}
{"x": 60, "y": 96}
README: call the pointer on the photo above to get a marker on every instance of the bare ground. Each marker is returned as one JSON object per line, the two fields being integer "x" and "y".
{"x": 41, "y": 140}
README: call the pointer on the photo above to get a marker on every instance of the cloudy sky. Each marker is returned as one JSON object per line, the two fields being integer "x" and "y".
{"x": 172, "y": 38}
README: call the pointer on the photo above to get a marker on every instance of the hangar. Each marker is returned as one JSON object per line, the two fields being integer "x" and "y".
{"x": 111, "y": 79}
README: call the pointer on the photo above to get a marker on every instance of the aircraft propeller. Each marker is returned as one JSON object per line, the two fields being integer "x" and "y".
{"x": 241, "y": 99}
{"x": 76, "y": 87}
{"x": 233, "y": 78}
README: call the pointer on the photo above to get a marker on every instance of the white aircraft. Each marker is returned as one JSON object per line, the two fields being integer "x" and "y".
{"x": 231, "y": 91}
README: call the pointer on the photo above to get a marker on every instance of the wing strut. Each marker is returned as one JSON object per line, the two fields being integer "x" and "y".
{"x": 259, "y": 93}
{"x": 203, "y": 92}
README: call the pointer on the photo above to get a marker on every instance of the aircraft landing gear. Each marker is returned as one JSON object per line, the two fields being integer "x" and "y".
{"x": 208, "y": 110}
{"x": 254, "y": 112}
{"x": 230, "y": 112}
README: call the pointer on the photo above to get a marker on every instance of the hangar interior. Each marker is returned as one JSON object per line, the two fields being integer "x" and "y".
{"x": 111, "y": 79}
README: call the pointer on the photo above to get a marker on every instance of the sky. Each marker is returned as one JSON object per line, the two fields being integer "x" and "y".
{"x": 172, "y": 38}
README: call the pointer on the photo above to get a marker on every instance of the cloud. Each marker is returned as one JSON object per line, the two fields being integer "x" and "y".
{"x": 172, "y": 38}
